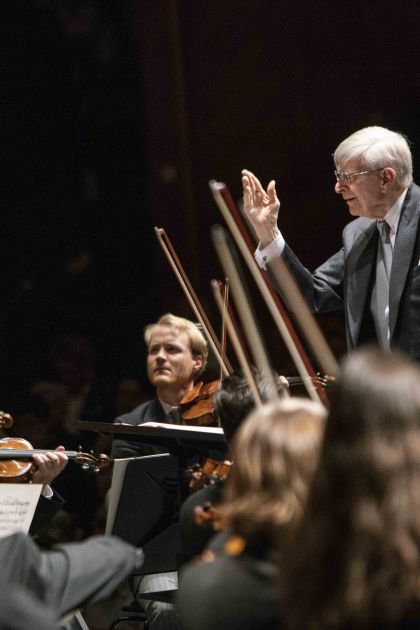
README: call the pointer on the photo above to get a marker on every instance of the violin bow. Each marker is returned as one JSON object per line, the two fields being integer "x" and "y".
{"x": 312, "y": 332}
{"x": 223, "y": 315}
{"x": 236, "y": 343}
{"x": 193, "y": 300}
{"x": 243, "y": 308}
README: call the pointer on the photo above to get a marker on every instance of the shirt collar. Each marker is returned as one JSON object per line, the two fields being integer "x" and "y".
{"x": 166, "y": 407}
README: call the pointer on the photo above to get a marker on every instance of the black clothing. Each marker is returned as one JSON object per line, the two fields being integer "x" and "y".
{"x": 45, "y": 510}
{"x": 230, "y": 593}
{"x": 132, "y": 446}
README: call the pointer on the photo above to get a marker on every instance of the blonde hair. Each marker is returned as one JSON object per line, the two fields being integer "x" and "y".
{"x": 198, "y": 343}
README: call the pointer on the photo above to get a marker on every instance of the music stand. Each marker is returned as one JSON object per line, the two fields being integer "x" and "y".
{"x": 144, "y": 506}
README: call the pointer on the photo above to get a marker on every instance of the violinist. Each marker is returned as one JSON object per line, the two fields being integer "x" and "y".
{"x": 232, "y": 403}
{"x": 232, "y": 587}
{"x": 176, "y": 355}
{"x": 30, "y": 414}
{"x": 66, "y": 576}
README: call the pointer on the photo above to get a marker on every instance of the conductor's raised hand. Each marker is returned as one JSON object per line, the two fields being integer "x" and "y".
{"x": 261, "y": 207}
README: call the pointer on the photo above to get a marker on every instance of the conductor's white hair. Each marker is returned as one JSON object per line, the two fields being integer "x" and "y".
{"x": 377, "y": 147}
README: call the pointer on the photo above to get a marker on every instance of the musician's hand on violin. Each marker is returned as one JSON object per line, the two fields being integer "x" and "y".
{"x": 284, "y": 382}
{"x": 48, "y": 466}
{"x": 261, "y": 207}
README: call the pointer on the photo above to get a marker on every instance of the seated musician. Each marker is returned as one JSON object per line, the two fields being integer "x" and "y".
{"x": 29, "y": 415}
{"x": 232, "y": 403}
{"x": 65, "y": 577}
{"x": 176, "y": 355}
{"x": 232, "y": 587}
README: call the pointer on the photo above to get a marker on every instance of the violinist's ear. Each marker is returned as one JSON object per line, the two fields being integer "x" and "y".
{"x": 198, "y": 362}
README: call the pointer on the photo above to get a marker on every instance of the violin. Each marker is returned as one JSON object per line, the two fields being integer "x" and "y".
{"x": 6, "y": 420}
{"x": 324, "y": 381}
{"x": 197, "y": 404}
{"x": 207, "y": 514}
{"x": 16, "y": 455}
{"x": 212, "y": 471}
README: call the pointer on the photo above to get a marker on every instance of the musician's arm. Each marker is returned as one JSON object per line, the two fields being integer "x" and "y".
{"x": 45, "y": 510}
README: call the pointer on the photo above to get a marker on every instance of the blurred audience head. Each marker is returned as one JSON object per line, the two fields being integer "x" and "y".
{"x": 128, "y": 395}
{"x": 30, "y": 413}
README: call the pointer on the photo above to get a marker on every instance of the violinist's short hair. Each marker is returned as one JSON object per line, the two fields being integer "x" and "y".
{"x": 234, "y": 399}
{"x": 198, "y": 343}
{"x": 378, "y": 147}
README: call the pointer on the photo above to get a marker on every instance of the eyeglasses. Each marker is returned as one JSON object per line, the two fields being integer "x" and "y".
{"x": 347, "y": 177}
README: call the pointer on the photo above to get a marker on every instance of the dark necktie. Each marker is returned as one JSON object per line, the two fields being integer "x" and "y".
{"x": 383, "y": 274}
{"x": 174, "y": 416}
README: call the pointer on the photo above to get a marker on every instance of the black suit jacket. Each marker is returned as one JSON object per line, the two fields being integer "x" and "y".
{"x": 345, "y": 279}
{"x": 45, "y": 510}
{"x": 231, "y": 593}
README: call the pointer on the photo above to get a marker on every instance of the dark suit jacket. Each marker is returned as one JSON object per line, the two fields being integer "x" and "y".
{"x": 134, "y": 447}
{"x": 345, "y": 279}
{"x": 45, "y": 510}
{"x": 230, "y": 593}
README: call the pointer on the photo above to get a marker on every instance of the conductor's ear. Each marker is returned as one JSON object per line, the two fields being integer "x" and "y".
{"x": 389, "y": 175}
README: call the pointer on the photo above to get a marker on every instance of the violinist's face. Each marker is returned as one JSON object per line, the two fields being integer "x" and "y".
{"x": 170, "y": 364}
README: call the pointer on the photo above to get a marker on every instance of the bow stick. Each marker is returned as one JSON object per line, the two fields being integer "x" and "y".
{"x": 247, "y": 318}
{"x": 310, "y": 328}
{"x": 236, "y": 343}
{"x": 192, "y": 298}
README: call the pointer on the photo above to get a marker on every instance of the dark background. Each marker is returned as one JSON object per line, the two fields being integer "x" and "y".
{"x": 115, "y": 115}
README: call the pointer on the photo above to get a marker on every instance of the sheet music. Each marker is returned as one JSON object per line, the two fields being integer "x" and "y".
{"x": 17, "y": 506}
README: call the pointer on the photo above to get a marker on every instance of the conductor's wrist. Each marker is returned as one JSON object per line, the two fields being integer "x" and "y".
{"x": 268, "y": 236}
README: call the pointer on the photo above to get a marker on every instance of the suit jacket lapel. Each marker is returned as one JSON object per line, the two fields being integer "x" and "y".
{"x": 157, "y": 410}
{"x": 403, "y": 253}
{"x": 360, "y": 263}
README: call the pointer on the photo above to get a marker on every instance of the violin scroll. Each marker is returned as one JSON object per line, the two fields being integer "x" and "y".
{"x": 6, "y": 420}
{"x": 89, "y": 461}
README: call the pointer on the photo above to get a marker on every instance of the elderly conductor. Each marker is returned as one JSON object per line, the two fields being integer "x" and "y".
{"x": 375, "y": 277}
